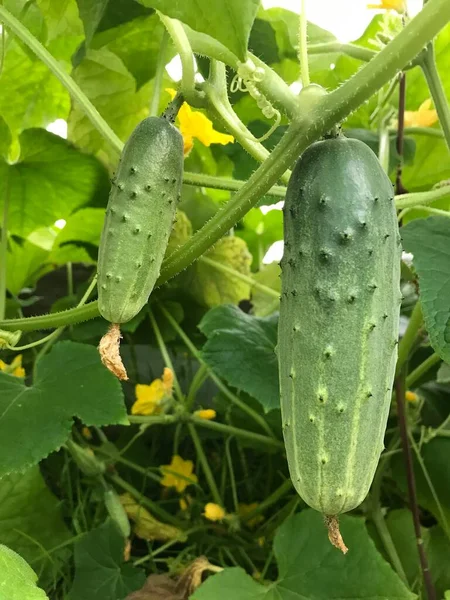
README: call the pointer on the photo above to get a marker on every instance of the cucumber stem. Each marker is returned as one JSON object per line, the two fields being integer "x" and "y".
{"x": 171, "y": 112}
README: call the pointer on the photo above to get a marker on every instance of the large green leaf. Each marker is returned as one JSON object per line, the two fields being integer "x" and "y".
{"x": 429, "y": 242}
{"x": 50, "y": 180}
{"x": 229, "y": 22}
{"x": 70, "y": 381}
{"x": 18, "y": 580}
{"x": 30, "y": 94}
{"x": 261, "y": 231}
{"x": 309, "y": 568}
{"x": 100, "y": 570}
{"x": 241, "y": 349}
{"x": 24, "y": 264}
{"x": 108, "y": 84}
{"x": 30, "y": 519}
{"x": 83, "y": 226}
{"x": 137, "y": 43}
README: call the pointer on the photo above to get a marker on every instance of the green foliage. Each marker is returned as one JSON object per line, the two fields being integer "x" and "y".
{"x": 100, "y": 569}
{"x": 302, "y": 551}
{"x": 237, "y": 346}
{"x": 18, "y": 579}
{"x": 429, "y": 242}
{"x": 229, "y": 23}
{"x": 50, "y": 180}
{"x": 37, "y": 420}
{"x": 30, "y": 520}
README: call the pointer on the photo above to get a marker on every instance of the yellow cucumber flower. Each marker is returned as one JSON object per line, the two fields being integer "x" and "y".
{"x": 149, "y": 398}
{"x": 411, "y": 397}
{"x": 213, "y": 512}
{"x": 15, "y": 368}
{"x": 425, "y": 116}
{"x": 194, "y": 124}
{"x": 178, "y": 467}
{"x": 207, "y": 414}
{"x": 398, "y": 5}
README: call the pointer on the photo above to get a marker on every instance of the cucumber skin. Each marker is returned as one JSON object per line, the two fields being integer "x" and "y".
{"x": 139, "y": 217}
{"x": 336, "y": 368}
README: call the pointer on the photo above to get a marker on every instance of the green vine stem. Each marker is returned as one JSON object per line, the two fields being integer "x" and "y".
{"x": 225, "y": 183}
{"x": 429, "y": 131}
{"x": 88, "y": 108}
{"x": 428, "y": 64}
{"x": 218, "y": 104}
{"x": 165, "y": 354}
{"x": 351, "y": 50}
{"x": 180, "y": 40}
{"x": 331, "y": 109}
{"x": 205, "y": 465}
{"x": 421, "y": 198}
{"x": 4, "y": 247}
{"x": 281, "y": 491}
{"x": 159, "y": 74}
{"x": 423, "y": 368}
{"x": 409, "y": 339}
{"x": 302, "y": 44}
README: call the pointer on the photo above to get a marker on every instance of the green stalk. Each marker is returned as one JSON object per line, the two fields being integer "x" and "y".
{"x": 158, "y": 78}
{"x": 435, "y": 86}
{"x": 205, "y": 465}
{"x": 235, "y": 431}
{"x": 196, "y": 383}
{"x": 225, "y": 183}
{"x": 422, "y": 131}
{"x": 421, "y": 198}
{"x": 219, "y": 106}
{"x": 88, "y": 108}
{"x": 302, "y": 44}
{"x": 351, "y": 50}
{"x": 409, "y": 339}
{"x": 419, "y": 371}
{"x": 245, "y": 278}
{"x": 183, "y": 48}
{"x": 165, "y": 354}
{"x": 4, "y": 248}
{"x": 330, "y": 110}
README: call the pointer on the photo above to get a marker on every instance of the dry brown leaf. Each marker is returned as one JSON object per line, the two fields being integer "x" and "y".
{"x": 163, "y": 587}
{"x": 109, "y": 352}
{"x": 334, "y": 533}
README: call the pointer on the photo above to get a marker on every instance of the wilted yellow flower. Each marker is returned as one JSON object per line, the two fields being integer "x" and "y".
{"x": 245, "y": 509}
{"x": 15, "y": 368}
{"x": 150, "y": 397}
{"x": 411, "y": 396}
{"x": 147, "y": 527}
{"x": 207, "y": 414}
{"x": 398, "y": 5}
{"x": 424, "y": 117}
{"x": 194, "y": 124}
{"x": 178, "y": 467}
{"x": 213, "y": 512}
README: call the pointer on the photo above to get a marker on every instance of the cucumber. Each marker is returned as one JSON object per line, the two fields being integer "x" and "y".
{"x": 339, "y": 316}
{"x": 139, "y": 217}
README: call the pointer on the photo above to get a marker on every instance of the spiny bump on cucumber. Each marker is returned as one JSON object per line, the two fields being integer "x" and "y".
{"x": 337, "y": 401}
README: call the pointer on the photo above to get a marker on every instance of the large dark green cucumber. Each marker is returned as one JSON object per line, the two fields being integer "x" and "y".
{"x": 339, "y": 314}
{"x": 139, "y": 218}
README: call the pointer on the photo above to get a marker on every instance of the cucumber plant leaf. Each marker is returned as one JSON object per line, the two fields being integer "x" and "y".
{"x": 18, "y": 580}
{"x": 238, "y": 344}
{"x": 228, "y": 22}
{"x": 49, "y": 181}
{"x": 100, "y": 570}
{"x": 429, "y": 242}
{"x": 30, "y": 519}
{"x": 70, "y": 381}
{"x": 309, "y": 568}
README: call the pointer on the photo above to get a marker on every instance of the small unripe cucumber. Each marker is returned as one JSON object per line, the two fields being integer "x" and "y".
{"x": 139, "y": 217}
{"x": 339, "y": 315}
